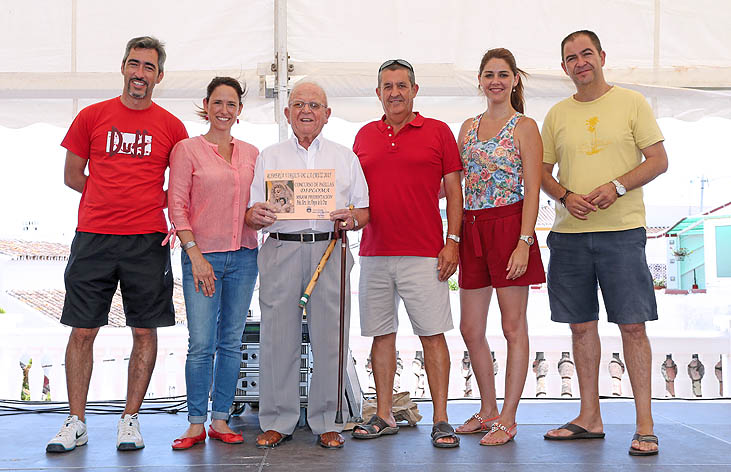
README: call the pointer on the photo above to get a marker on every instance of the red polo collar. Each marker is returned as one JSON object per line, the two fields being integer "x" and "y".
{"x": 418, "y": 121}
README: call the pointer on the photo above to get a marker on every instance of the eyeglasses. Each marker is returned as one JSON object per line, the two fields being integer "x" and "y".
{"x": 300, "y": 105}
{"x": 401, "y": 62}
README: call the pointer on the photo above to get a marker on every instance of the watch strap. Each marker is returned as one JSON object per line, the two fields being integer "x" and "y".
{"x": 454, "y": 238}
{"x": 562, "y": 200}
{"x": 621, "y": 189}
{"x": 528, "y": 239}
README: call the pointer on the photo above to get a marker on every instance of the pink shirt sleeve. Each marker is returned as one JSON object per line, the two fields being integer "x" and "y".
{"x": 181, "y": 177}
{"x": 209, "y": 196}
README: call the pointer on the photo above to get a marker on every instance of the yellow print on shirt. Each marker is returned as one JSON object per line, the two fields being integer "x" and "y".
{"x": 595, "y": 146}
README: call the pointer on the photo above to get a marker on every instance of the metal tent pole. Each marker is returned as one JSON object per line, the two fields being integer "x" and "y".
{"x": 282, "y": 77}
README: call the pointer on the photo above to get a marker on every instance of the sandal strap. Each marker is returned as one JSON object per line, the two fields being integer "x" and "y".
{"x": 443, "y": 429}
{"x": 372, "y": 423}
{"x": 498, "y": 426}
{"x": 478, "y": 418}
{"x": 651, "y": 438}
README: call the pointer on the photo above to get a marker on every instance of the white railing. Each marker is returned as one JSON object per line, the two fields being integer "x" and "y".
{"x": 46, "y": 348}
{"x": 710, "y": 350}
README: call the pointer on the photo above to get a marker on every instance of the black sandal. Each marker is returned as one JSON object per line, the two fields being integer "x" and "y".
{"x": 650, "y": 438}
{"x": 440, "y": 430}
{"x": 370, "y": 430}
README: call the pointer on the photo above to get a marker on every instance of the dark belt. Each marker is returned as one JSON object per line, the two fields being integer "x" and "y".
{"x": 303, "y": 237}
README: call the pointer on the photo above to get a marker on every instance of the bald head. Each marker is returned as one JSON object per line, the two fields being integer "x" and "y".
{"x": 311, "y": 86}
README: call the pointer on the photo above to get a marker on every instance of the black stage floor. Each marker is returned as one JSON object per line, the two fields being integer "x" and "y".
{"x": 694, "y": 436}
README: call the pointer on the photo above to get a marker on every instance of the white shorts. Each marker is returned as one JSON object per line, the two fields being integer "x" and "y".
{"x": 385, "y": 279}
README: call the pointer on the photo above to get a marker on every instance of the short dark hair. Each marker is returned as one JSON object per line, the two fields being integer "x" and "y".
{"x": 590, "y": 34}
{"x": 395, "y": 64}
{"x": 217, "y": 82}
{"x": 147, "y": 42}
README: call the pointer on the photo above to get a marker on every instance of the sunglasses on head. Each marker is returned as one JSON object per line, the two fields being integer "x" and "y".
{"x": 390, "y": 62}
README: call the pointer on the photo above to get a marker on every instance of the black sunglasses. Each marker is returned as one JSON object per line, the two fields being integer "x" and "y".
{"x": 391, "y": 62}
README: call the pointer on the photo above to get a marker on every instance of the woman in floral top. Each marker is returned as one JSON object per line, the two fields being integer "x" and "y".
{"x": 501, "y": 153}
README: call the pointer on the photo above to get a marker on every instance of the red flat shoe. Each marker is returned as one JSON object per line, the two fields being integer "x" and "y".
{"x": 181, "y": 444}
{"x": 228, "y": 438}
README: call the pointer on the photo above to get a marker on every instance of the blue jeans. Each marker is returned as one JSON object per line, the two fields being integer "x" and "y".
{"x": 215, "y": 327}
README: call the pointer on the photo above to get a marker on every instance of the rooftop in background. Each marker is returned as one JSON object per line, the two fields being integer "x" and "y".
{"x": 34, "y": 250}
{"x": 50, "y": 303}
{"x": 547, "y": 213}
{"x": 694, "y": 224}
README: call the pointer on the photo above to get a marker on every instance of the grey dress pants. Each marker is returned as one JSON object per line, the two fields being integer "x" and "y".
{"x": 285, "y": 269}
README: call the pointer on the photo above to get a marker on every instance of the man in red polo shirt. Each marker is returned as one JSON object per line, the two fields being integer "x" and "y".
{"x": 405, "y": 157}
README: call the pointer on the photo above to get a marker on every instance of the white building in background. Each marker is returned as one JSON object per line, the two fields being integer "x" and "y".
{"x": 699, "y": 251}
{"x": 29, "y": 265}
{"x": 31, "y": 291}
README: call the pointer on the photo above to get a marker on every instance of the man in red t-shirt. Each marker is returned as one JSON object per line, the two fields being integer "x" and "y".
{"x": 405, "y": 157}
{"x": 126, "y": 143}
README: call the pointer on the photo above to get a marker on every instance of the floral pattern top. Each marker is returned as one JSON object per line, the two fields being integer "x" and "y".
{"x": 493, "y": 168}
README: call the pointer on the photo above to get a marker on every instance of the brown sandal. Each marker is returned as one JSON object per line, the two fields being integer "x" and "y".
{"x": 271, "y": 438}
{"x": 326, "y": 440}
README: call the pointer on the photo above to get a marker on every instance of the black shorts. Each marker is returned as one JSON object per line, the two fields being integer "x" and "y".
{"x": 137, "y": 262}
{"x": 615, "y": 260}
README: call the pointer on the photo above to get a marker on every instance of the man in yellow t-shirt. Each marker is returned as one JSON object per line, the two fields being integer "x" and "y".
{"x": 598, "y": 138}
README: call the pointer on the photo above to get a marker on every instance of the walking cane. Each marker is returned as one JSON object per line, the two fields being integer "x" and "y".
{"x": 343, "y": 274}
{"x": 313, "y": 281}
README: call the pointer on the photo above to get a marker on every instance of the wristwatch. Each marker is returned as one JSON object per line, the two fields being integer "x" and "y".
{"x": 528, "y": 239}
{"x": 620, "y": 188}
{"x": 454, "y": 238}
{"x": 188, "y": 245}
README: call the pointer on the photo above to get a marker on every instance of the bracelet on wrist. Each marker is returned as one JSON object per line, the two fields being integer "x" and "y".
{"x": 188, "y": 245}
{"x": 562, "y": 200}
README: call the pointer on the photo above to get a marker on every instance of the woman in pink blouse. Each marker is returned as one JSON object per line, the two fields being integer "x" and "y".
{"x": 210, "y": 176}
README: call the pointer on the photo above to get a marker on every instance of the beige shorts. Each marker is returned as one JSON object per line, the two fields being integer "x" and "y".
{"x": 385, "y": 279}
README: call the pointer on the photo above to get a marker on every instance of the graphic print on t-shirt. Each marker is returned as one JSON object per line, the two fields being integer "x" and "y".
{"x": 137, "y": 144}
{"x": 595, "y": 146}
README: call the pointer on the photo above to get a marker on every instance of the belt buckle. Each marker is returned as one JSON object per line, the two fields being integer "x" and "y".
{"x": 303, "y": 240}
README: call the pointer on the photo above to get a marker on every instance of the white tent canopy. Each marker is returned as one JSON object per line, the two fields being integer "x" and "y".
{"x": 57, "y": 56}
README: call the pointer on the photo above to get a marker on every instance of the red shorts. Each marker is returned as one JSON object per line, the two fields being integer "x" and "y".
{"x": 489, "y": 237}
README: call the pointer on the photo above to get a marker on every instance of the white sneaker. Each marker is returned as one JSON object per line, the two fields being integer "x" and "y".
{"x": 72, "y": 434}
{"x": 129, "y": 437}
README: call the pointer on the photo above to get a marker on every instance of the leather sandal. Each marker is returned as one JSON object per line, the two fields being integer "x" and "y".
{"x": 485, "y": 424}
{"x": 326, "y": 440}
{"x": 577, "y": 432}
{"x": 441, "y": 430}
{"x": 373, "y": 428}
{"x": 271, "y": 438}
{"x": 648, "y": 438}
